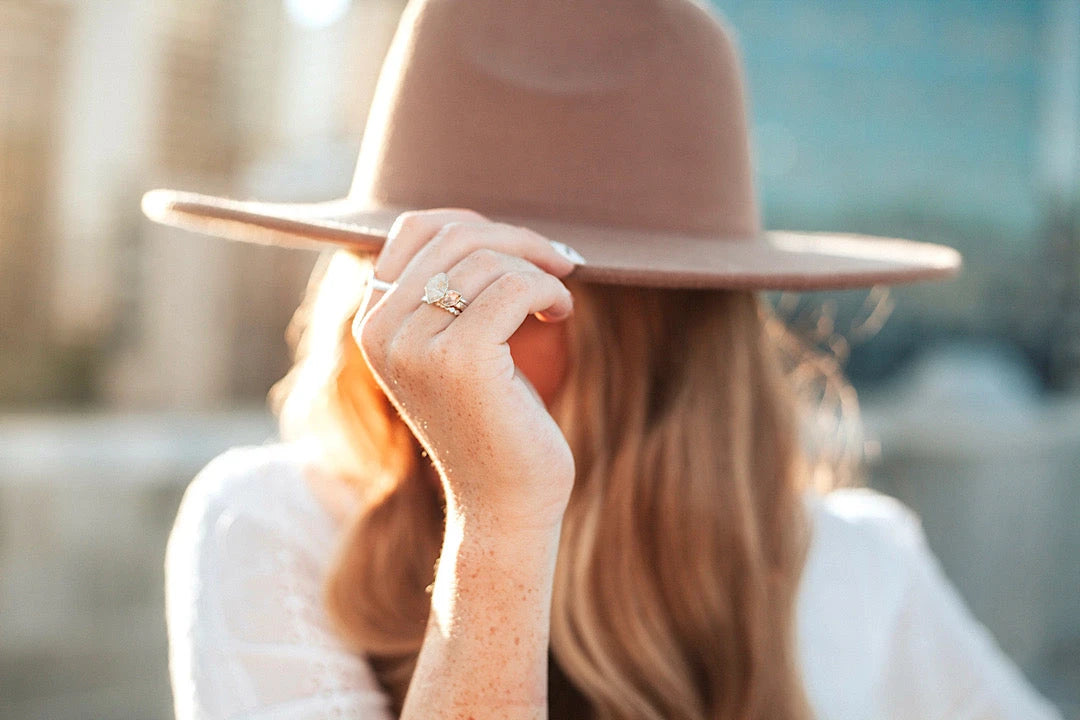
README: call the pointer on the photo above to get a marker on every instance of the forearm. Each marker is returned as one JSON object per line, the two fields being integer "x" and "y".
{"x": 486, "y": 647}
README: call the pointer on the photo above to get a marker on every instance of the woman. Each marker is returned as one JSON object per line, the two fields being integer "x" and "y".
{"x": 523, "y": 483}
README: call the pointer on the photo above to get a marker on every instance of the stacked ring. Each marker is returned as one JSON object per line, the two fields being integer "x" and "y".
{"x": 438, "y": 292}
{"x": 381, "y": 285}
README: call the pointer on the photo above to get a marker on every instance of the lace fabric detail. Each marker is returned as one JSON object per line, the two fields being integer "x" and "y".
{"x": 249, "y": 637}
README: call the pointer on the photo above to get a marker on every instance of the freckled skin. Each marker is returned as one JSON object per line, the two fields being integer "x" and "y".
{"x": 462, "y": 384}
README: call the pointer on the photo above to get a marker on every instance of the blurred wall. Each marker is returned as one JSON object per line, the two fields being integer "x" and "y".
{"x": 30, "y": 71}
{"x": 107, "y": 99}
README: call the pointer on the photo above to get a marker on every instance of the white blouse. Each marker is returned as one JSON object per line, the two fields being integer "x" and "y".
{"x": 881, "y": 633}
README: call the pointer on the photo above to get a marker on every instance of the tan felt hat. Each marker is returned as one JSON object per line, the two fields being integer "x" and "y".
{"x": 616, "y": 126}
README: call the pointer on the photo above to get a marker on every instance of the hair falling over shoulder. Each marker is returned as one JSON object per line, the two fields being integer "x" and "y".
{"x": 683, "y": 542}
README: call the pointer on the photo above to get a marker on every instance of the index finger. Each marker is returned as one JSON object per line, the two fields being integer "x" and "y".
{"x": 410, "y": 232}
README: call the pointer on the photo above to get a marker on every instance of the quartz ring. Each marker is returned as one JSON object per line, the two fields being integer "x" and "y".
{"x": 438, "y": 292}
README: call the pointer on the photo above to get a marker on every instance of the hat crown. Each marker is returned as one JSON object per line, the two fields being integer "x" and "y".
{"x": 609, "y": 112}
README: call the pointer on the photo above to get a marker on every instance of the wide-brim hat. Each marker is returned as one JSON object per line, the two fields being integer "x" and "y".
{"x": 616, "y": 126}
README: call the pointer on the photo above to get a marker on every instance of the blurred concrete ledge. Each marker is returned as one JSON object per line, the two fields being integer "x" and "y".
{"x": 963, "y": 400}
{"x": 944, "y": 432}
{"x": 86, "y": 504}
{"x": 122, "y": 447}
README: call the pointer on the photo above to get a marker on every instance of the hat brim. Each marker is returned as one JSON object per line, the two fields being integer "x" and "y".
{"x": 774, "y": 260}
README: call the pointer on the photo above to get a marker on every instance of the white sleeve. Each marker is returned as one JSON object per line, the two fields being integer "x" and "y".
{"x": 248, "y": 636}
{"x": 943, "y": 663}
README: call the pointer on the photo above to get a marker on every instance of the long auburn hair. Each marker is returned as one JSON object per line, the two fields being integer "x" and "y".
{"x": 684, "y": 538}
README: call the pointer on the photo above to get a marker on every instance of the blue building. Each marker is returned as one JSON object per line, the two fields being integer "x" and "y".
{"x": 954, "y": 122}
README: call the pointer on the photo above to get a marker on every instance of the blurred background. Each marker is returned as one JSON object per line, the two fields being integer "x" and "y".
{"x": 131, "y": 354}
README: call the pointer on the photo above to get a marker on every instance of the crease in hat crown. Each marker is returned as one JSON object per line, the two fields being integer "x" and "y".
{"x": 618, "y": 127}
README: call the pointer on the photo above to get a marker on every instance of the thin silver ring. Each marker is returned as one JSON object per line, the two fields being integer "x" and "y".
{"x": 381, "y": 285}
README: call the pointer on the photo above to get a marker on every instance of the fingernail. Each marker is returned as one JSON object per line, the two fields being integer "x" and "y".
{"x": 567, "y": 252}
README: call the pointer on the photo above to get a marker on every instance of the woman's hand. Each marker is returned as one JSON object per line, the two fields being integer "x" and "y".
{"x": 504, "y": 462}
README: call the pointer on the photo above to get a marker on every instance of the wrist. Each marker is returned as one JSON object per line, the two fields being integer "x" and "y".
{"x": 480, "y": 571}
{"x": 485, "y": 652}
{"x": 502, "y": 529}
